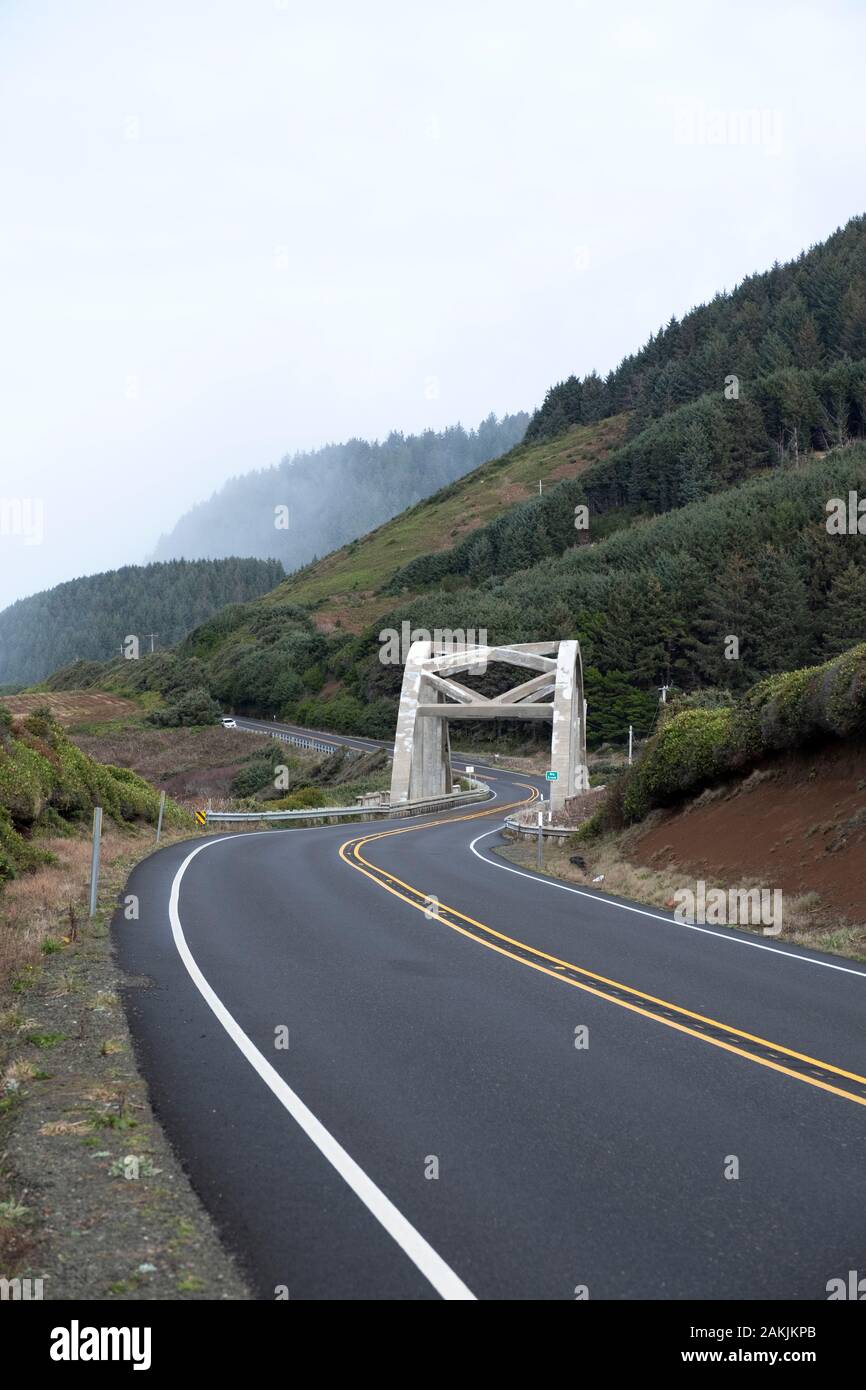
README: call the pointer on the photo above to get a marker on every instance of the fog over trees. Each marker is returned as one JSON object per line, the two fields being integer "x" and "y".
{"x": 331, "y": 495}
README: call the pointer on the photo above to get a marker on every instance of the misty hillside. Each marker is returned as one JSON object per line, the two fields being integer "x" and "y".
{"x": 89, "y": 618}
{"x": 706, "y": 519}
{"x": 651, "y": 603}
{"x": 347, "y": 588}
{"x": 333, "y": 494}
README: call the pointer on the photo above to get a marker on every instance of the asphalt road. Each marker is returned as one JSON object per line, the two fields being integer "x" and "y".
{"x": 432, "y": 1130}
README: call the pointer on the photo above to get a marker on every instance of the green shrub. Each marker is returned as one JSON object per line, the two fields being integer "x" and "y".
{"x": 301, "y": 800}
{"x": 16, "y": 853}
{"x": 689, "y": 751}
{"x": 47, "y": 784}
{"x": 698, "y": 746}
{"x": 26, "y": 781}
{"x": 194, "y": 707}
{"x": 260, "y": 769}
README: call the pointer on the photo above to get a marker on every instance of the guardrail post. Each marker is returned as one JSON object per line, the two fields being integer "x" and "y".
{"x": 159, "y": 821}
{"x": 94, "y": 858}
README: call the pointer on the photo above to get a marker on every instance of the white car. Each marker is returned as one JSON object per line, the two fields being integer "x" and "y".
{"x": 228, "y": 722}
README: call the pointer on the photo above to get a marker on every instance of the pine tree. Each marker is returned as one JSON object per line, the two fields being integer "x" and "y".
{"x": 845, "y": 621}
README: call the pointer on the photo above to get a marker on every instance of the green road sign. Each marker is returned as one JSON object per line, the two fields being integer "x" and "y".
{"x": 552, "y": 776}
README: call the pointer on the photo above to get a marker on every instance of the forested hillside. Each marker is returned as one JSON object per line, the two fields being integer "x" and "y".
{"x": 693, "y": 451}
{"x": 806, "y": 314}
{"x": 706, "y": 521}
{"x": 334, "y": 494}
{"x": 89, "y": 618}
{"x": 652, "y": 603}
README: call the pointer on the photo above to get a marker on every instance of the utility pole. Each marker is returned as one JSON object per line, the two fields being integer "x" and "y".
{"x": 539, "y": 487}
{"x": 151, "y": 635}
{"x": 664, "y": 693}
{"x": 630, "y": 742}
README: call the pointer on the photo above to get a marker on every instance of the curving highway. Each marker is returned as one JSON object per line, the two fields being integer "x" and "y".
{"x": 432, "y": 1130}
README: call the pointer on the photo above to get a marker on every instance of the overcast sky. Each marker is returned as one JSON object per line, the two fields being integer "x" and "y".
{"x": 236, "y": 228}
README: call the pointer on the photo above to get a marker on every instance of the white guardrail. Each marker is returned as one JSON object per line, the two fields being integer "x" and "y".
{"x": 524, "y": 824}
{"x": 479, "y": 791}
{"x": 298, "y": 740}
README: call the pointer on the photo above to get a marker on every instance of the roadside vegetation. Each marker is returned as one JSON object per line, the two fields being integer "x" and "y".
{"x": 701, "y": 741}
{"x": 92, "y": 1199}
{"x": 76, "y": 1125}
{"x": 48, "y": 789}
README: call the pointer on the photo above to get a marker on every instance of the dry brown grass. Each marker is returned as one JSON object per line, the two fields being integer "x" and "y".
{"x": 51, "y": 905}
{"x": 53, "y": 901}
{"x": 192, "y": 765}
{"x": 43, "y": 904}
{"x": 72, "y": 706}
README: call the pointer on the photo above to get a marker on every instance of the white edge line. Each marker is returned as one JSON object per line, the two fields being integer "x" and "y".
{"x": 657, "y": 916}
{"x": 411, "y": 1242}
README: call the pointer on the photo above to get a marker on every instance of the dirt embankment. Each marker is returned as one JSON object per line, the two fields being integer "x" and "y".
{"x": 798, "y": 824}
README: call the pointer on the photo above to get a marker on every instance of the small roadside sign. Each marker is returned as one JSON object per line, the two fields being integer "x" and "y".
{"x": 201, "y": 817}
{"x": 470, "y": 771}
{"x": 552, "y": 776}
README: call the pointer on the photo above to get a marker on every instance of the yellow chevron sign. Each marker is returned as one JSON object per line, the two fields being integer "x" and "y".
{"x": 201, "y": 817}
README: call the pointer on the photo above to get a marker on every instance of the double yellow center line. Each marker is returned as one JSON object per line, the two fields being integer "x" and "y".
{"x": 824, "y": 1075}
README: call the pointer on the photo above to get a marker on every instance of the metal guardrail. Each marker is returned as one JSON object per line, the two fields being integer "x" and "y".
{"x": 525, "y": 824}
{"x": 298, "y": 740}
{"x": 403, "y": 808}
{"x": 442, "y": 803}
{"x": 313, "y": 813}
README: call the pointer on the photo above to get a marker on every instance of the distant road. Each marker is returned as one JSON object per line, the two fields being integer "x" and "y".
{"x": 433, "y": 995}
{"x": 364, "y": 745}
{"x": 268, "y": 726}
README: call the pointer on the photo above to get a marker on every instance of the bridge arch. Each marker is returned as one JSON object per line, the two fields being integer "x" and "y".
{"x": 431, "y": 697}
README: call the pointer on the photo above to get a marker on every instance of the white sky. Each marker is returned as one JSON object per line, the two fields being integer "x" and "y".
{"x": 235, "y": 228}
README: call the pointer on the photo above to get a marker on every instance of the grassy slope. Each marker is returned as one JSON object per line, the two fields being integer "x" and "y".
{"x": 343, "y": 585}
{"x": 48, "y": 785}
